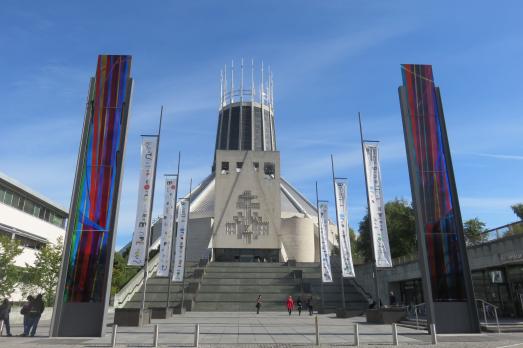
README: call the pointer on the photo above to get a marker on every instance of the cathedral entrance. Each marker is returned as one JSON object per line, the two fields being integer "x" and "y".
{"x": 246, "y": 255}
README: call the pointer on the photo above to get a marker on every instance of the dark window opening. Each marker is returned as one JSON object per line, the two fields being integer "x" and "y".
{"x": 225, "y": 168}
{"x": 239, "y": 166}
{"x": 269, "y": 170}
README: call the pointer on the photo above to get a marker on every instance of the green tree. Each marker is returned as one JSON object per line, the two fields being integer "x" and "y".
{"x": 121, "y": 272}
{"x": 43, "y": 275}
{"x": 518, "y": 210}
{"x": 9, "y": 273}
{"x": 473, "y": 230}
{"x": 401, "y": 228}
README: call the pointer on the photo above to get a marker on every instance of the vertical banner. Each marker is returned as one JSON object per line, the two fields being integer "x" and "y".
{"x": 340, "y": 193}
{"x": 82, "y": 294}
{"x": 378, "y": 222}
{"x": 326, "y": 273}
{"x": 147, "y": 175}
{"x": 169, "y": 209}
{"x": 181, "y": 240}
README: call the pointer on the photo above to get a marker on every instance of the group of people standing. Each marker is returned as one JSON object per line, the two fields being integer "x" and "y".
{"x": 31, "y": 310}
{"x": 290, "y": 304}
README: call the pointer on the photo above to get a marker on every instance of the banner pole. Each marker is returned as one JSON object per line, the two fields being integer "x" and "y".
{"x": 374, "y": 268}
{"x": 148, "y": 241}
{"x": 319, "y": 245}
{"x": 173, "y": 236}
{"x": 182, "y": 306}
{"x": 339, "y": 237}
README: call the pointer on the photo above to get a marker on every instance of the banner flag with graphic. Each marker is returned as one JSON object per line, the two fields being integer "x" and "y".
{"x": 143, "y": 211}
{"x": 378, "y": 223}
{"x": 169, "y": 208}
{"x": 181, "y": 240}
{"x": 347, "y": 266}
{"x": 326, "y": 273}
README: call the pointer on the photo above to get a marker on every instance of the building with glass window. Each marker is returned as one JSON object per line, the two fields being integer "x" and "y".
{"x": 30, "y": 218}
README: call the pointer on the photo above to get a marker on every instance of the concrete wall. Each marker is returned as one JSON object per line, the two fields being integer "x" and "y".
{"x": 488, "y": 255}
{"x": 297, "y": 235}
{"x": 199, "y": 235}
{"x": 233, "y": 184}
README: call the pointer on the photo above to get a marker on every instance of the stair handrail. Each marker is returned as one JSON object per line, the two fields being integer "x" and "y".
{"x": 135, "y": 283}
{"x": 416, "y": 311}
{"x": 484, "y": 305}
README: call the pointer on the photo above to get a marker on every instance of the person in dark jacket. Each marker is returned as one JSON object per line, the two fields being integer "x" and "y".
{"x": 37, "y": 308}
{"x": 5, "y": 309}
{"x": 258, "y": 304}
{"x": 309, "y": 305}
{"x": 26, "y": 308}
{"x": 299, "y": 305}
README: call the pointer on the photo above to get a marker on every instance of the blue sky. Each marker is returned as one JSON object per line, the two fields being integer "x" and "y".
{"x": 330, "y": 60}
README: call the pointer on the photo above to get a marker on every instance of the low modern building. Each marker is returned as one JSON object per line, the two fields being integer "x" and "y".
{"x": 496, "y": 265}
{"x": 29, "y": 217}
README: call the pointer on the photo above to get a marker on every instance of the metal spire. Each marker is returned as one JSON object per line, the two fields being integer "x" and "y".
{"x": 252, "y": 80}
{"x": 232, "y": 81}
{"x": 221, "y": 89}
{"x": 225, "y": 85}
{"x": 241, "y": 82}
{"x": 261, "y": 89}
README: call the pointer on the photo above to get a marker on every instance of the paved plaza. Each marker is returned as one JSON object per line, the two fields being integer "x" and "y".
{"x": 273, "y": 329}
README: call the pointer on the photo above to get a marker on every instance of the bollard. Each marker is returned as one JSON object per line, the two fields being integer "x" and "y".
{"x": 356, "y": 335}
{"x": 155, "y": 337}
{"x": 317, "y": 331}
{"x": 197, "y": 335}
{"x": 394, "y": 334}
{"x": 434, "y": 338}
{"x": 113, "y": 337}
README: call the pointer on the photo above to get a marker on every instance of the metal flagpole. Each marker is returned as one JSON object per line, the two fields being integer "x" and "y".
{"x": 173, "y": 235}
{"x": 185, "y": 247}
{"x": 374, "y": 269}
{"x": 339, "y": 238}
{"x": 319, "y": 244}
{"x": 148, "y": 241}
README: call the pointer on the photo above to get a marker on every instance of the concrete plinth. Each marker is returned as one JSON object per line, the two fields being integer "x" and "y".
{"x": 160, "y": 312}
{"x": 131, "y": 317}
{"x": 386, "y": 315}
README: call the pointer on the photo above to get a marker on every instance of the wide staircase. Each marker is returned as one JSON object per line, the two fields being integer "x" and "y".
{"x": 234, "y": 286}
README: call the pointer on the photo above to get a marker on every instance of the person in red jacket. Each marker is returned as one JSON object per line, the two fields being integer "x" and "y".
{"x": 290, "y": 305}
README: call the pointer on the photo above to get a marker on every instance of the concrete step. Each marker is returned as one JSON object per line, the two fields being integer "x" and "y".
{"x": 248, "y": 281}
{"x": 248, "y": 288}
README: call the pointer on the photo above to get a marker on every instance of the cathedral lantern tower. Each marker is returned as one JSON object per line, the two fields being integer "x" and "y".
{"x": 247, "y": 171}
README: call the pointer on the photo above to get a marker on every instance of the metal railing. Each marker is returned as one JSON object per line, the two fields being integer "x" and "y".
{"x": 420, "y": 310}
{"x": 499, "y": 232}
{"x": 489, "y": 310}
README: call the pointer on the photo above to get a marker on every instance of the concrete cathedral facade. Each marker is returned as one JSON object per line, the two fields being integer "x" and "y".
{"x": 244, "y": 210}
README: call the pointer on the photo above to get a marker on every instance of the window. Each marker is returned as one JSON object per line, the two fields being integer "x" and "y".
{"x": 8, "y": 198}
{"x": 29, "y": 207}
{"x": 225, "y": 168}
{"x": 37, "y": 210}
{"x": 256, "y": 166}
{"x": 56, "y": 220}
{"x": 41, "y": 215}
{"x": 2, "y": 194}
{"x": 46, "y": 216}
{"x": 268, "y": 170}
{"x": 239, "y": 166}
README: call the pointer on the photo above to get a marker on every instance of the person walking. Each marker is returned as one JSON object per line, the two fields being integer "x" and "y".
{"x": 36, "y": 312}
{"x": 5, "y": 309}
{"x": 26, "y": 308}
{"x": 299, "y": 304}
{"x": 309, "y": 305}
{"x": 258, "y": 304}
{"x": 290, "y": 305}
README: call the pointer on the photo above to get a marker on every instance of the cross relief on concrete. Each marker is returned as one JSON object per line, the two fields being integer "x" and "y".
{"x": 247, "y": 224}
